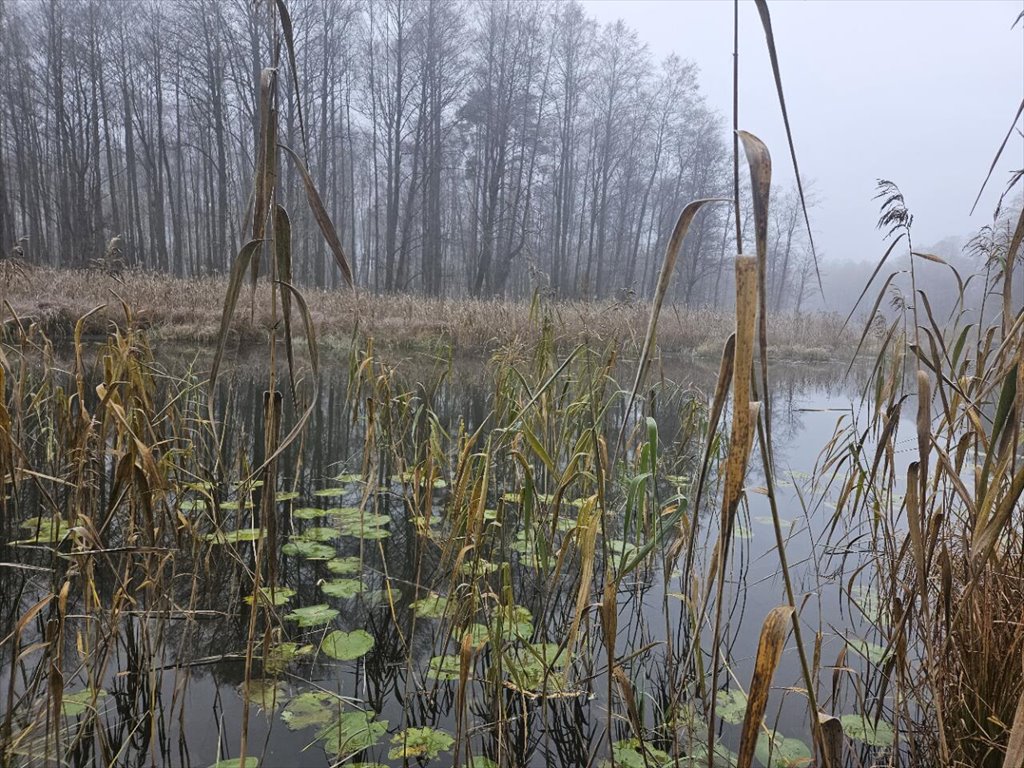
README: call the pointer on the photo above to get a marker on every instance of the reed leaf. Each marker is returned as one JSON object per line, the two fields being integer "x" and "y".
{"x": 769, "y": 651}
{"x": 766, "y": 23}
{"x": 664, "y": 279}
{"x": 323, "y": 220}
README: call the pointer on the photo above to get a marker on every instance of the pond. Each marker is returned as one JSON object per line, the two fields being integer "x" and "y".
{"x": 467, "y": 567}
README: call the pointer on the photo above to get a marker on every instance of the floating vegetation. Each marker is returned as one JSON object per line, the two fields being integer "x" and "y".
{"x": 347, "y": 646}
{"x": 313, "y": 615}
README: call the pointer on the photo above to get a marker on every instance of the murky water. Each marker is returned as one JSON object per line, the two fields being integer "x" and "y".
{"x": 189, "y": 710}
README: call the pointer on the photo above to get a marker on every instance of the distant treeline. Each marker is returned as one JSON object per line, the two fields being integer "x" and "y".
{"x": 462, "y": 148}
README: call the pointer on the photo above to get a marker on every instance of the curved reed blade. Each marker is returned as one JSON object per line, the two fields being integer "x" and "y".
{"x": 289, "y": 44}
{"x": 266, "y": 164}
{"x": 759, "y": 160}
{"x": 314, "y": 364}
{"x": 999, "y": 153}
{"x": 766, "y": 22}
{"x": 323, "y": 220}
{"x": 283, "y": 255}
{"x": 238, "y": 270}
{"x": 769, "y": 651}
{"x": 664, "y": 279}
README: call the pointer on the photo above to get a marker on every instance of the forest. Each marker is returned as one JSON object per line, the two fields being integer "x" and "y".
{"x": 461, "y": 148}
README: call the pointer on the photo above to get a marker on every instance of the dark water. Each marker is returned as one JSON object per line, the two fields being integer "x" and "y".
{"x": 189, "y": 710}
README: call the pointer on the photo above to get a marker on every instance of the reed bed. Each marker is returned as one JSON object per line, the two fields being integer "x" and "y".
{"x": 187, "y": 311}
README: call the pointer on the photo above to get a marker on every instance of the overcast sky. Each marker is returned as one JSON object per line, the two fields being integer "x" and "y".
{"x": 917, "y": 91}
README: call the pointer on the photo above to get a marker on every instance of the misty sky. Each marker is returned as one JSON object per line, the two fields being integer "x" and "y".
{"x": 920, "y": 92}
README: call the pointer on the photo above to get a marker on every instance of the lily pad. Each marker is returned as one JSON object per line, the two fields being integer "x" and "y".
{"x": 731, "y": 706}
{"x": 267, "y": 694}
{"x": 445, "y": 668}
{"x": 342, "y": 588}
{"x": 234, "y": 537}
{"x": 311, "y": 709}
{"x": 280, "y": 655}
{"x": 349, "y": 477}
{"x": 286, "y": 495}
{"x": 308, "y": 513}
{"x": 630, "y": 753}
{"x": 344, "y": 566}
{"x": 431, "y": 607}
{"x": 310, "y": 550}
{"x": 420, "y": 742}
{"x": 44, "y": 530}
{"x": 880, "y": 734}
{"x": 330, "y": 492}
{"x": 346, "y": 646}
{"x": 871, "y": 651}
{"x": 237, "y": 504}
{"x": 352, "y": 732}
{"x": 312, "y": 615}
{"x": 511, "y": 623}
{"x": 280, "y": 595}
{"x": 531, "y": 667}
{"x": 321, "y": 534}
{"x": 75, "y": 704}
{"x": 777, "y": 751}
{"x": 235, "y": 762}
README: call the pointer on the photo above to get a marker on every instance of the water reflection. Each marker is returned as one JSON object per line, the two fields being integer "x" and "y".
{"x": 189, "y": 710}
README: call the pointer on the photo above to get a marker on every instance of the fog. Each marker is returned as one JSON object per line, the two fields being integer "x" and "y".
{"x": 920, "y": 93}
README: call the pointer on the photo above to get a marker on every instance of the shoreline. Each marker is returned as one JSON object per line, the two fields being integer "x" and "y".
{"x": 188, "y": 312}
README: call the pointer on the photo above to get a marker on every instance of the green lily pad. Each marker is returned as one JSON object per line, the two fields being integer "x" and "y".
{"x": 512, "y": 623}
{"x": 286, "y": 495}
{"x": 478, "y": 634}
{"x": 45, "y": 530}
{"x": 344, "y": 566}
{"x": 321, "y": 534}
{"x": 349, "y": 477}
{"x": 420, "y": 742}
{"x": 342, "y": 588}
{"x": 445, "y": 668}
{"x": 346, "y": 646}
{"x": 777, "y": 751}
{"x": 620, "y": 548}
{"x": 731, "y": 706}
{"x": 234, "y": 537}
{"x": 311, "y": 709}
{"x": 330, "y": 492}
{"x": 75, "y": 704}
{"x": 267, "y": 694}
{"x": 431, "y": 607}
{"x": 742, "y": 532}
{"x": 871, "y": 651}
{"x": 532, "y": 667}
{"x": 308, "y": 513}
{"x": 352, "y": 732}
{"x": 235, "y": 762}
{"x": 630, "y": 753}
{"x": 237, "y": 504}
{"x": 880, "y": 734}
{"x": 310, "y": 550}
{"x": 313, "y": 615}
{"x": 280, "y": 595}
{"x": 280, "y": 655}
{"x": 368, "y": 533}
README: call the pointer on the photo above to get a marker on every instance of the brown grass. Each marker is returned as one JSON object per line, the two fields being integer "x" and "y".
{"x": 189, "y": 310}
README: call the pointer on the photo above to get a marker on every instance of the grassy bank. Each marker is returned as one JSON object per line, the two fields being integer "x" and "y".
{"x": 189, "y": 311}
